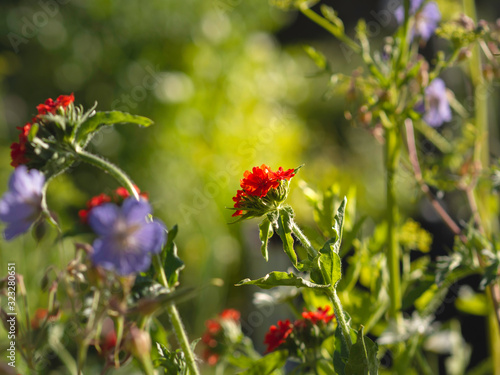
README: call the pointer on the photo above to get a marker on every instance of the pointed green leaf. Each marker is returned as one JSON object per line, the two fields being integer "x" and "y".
{"x": 330, "y": 267}
{"x": 172, "y": 264}
{"x": 267, "y": 364}
{"x": 85, "y": 130}
{"x": 276, "y": 278}
{"x": 362, "y": 357}
{"x": 285, "y": 232}
{"x": 265, "y": 233}
{"x": 338, "y": 224}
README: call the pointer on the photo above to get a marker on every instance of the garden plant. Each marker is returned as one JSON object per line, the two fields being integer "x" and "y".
{"x": 359, "y": 295}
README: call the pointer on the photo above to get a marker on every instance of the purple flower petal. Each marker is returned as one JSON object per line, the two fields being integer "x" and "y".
{"x": 102, "y": 218}
{"x": 151, "y": 236}
{"x": 136, "y": 211}
{"x": 437, "y": 108}
{"x": 127, "y": 239}
{"x": 20, "y": 207}
{"x": 426, "y": 18}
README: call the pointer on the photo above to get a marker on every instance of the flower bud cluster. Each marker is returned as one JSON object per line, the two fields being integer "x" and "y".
{"x": 306, "y": 333}
{"x": 222, "y": 333}
{"x": 262, "y": 191}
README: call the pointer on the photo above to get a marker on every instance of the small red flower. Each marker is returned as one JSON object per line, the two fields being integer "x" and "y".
{"x": 118, "y": 196}
{"x": 321, "y": 315}
{"x": 51, "y": 106}
{"x": 258, "y": 183}
{"x": 215, "y": 338}
{"x": 18, "y": 150}
{"x": 277, "y": 335}
{"x": 230, "y": 314}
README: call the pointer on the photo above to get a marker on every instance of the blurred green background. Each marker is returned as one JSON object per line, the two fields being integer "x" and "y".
{"x": 228, "y": 86}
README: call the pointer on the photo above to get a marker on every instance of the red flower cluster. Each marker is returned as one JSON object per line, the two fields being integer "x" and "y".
{"x": 258, "y": 183}
{"x": 118, "y": 196}
{"x": 277, "y": 335}
{"x": 318, "y": 316}
{"x": 213, "y": 337}
{"x": 18, "y": 150}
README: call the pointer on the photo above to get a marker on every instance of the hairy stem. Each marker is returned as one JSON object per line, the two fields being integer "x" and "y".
{"x": 112, "y": 169}
{"x": 339, "y": 314}
{"x": 176, "y": 321}
{"x": 392, "y": 151}
{"x": 304, "y": 240}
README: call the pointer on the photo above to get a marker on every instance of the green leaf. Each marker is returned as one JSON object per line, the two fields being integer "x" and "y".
{"x": 277, "y": 278}
{"x": 362, "y": 357}
{"x": 338, "y": 224}
{"x": 172, "y": 264}
{"x": 330, "y": 267}
{"x": 316, "y": 56}
{"x": 285, "y": 221}
{"x": 268, "y": 363}
{"x": 265, "y": 233}
{"x": 341, "y": 354}
{"x": 84, "y": 132}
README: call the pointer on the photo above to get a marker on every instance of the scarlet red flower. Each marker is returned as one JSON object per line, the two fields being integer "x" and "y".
{"x": 216, "y": 337}
{"x": 258, "y": 183}
{"x": 119, "y": 195}
{"x": 51, "y": 106}
{"x": 277, "y": 335}
{"x": 18, "y": 150}
{"x": 320, "y": 315}
{"x": 230, "y": 314}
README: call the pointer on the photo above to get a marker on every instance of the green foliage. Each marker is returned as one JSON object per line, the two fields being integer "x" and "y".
{"x": 84, "y": 132}
{"x": 172, "y": 264}
{"x": 277, "y": 278}
{"x": 362, "y": 357}
{"x": 265, "y": 233}
{"x": 284, "y": 223}
{"x": 268, "y": 364}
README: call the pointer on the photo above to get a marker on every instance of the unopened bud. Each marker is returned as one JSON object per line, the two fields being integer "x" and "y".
{"x": 139, "y": 342}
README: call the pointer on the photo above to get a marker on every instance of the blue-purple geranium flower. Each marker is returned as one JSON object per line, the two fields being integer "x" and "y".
{"x": 436, "y": 108}
{"x": 20, "y": 207}
{"x": 427, "y": 18}
{"x": 127, "y": 237}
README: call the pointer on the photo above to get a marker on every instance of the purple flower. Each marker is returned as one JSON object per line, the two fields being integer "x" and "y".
{"x": 435, "y": 108}
{"x": 21, "y": 205}
{"x": 427, "y": 18}
{"x": 127, "y": 238}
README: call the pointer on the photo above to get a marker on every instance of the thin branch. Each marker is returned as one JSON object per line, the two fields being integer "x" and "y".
{"x": 493, "y": 289}
{"x": 412, "y": 151}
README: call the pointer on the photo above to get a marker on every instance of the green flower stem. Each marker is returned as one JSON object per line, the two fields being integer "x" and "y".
{"x": 176, "y": 321}
{"x": 112, "y": 169}
{"x": 339, "y": 314}
{"x": 328, "y": 26}
{"x": 392, "y": 153}
{"x": 304, "y": 240}
{"x": 486, "y": 202}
